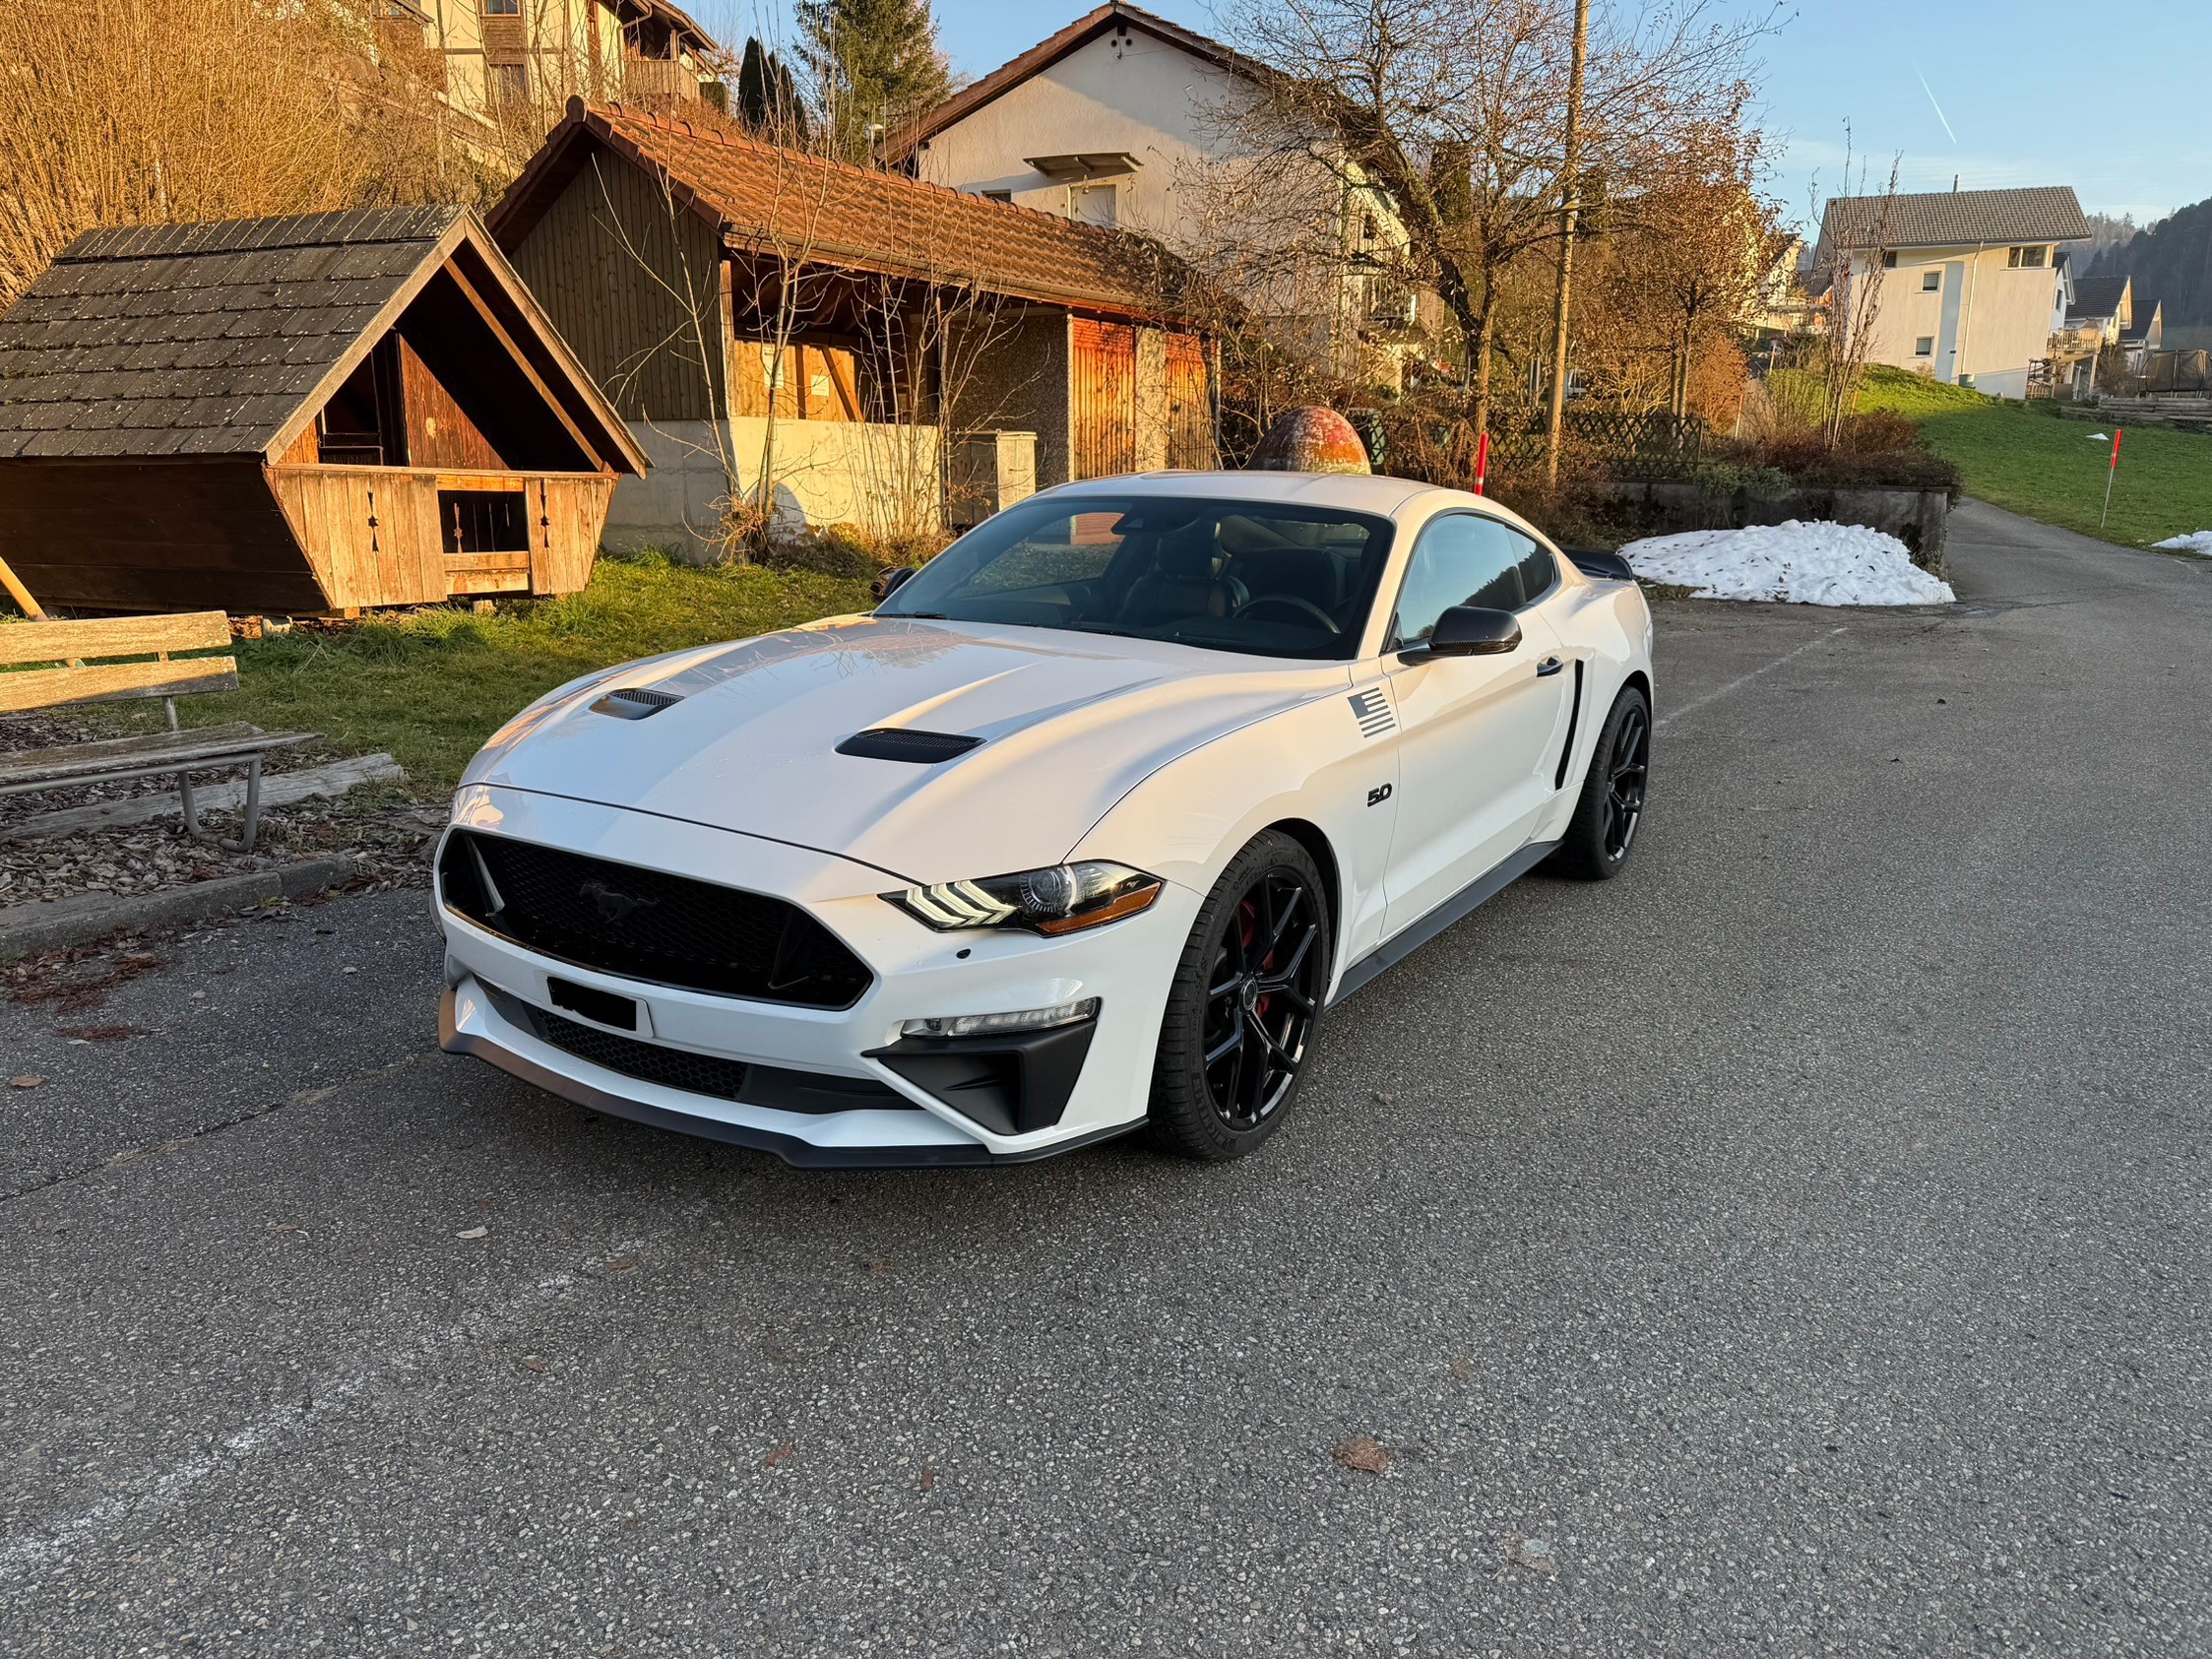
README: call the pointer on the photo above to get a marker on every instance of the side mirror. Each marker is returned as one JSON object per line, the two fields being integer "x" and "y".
{"x": 1469, "y": 631}
{"x": 889, "y": 582}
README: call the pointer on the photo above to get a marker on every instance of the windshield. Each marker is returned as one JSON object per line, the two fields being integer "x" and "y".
{"x": 1263, "y": 577}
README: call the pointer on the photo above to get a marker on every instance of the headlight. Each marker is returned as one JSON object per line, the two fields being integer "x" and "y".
{"x": 1064, "y": 899}
{"x": 1001, "y": 1025}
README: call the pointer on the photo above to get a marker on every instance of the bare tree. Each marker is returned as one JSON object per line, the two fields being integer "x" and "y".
{"x": 1856, "y": 233}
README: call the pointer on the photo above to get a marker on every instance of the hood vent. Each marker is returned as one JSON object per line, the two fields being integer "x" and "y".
{"x": 633, "y": 702}
{"x": 897, "y": 742}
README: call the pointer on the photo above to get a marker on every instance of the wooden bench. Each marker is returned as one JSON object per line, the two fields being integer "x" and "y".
{"x": 75, "y": 676}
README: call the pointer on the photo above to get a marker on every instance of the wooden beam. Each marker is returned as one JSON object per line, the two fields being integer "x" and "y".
{"x": 46, "y": 688}
{"x": 20, "y": 593}
{"x": 114, "y": 636}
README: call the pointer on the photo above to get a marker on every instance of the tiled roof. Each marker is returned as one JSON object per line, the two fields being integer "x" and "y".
{"x": 791, "y": 206}
{"x": 2097, "y": 297}
{"x": 197, "y": 339}
{"x": 1114, "y": 13}
{"x": 1954, "y": 219}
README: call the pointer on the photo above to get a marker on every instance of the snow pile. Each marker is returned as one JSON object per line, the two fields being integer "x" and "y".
{"x": 1800, "y": 563}
{"x": 2196, "y": 541}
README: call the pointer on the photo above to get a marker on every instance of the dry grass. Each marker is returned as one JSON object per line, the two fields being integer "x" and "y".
{"x": 154, "y": 111}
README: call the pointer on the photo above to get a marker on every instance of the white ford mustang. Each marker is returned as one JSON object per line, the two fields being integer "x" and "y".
{"x": 1084, "y": 829}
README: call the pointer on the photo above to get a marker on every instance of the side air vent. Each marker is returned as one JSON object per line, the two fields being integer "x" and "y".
{"x": 1599, "y": 565}
{"x": 633, "y": 702}
{"x": 896, "y": 742}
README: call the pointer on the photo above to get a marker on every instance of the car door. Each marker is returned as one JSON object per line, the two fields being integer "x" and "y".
{"x": 1477, "y": 733}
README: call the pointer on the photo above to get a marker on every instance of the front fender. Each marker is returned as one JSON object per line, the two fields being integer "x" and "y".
{"x": 1311, "y": 765}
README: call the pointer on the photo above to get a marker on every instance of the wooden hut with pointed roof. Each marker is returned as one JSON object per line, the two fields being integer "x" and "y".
{"x": 299, "y": 416}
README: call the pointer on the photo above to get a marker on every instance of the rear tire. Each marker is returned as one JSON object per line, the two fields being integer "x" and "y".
{"x": 1244, "y": 1006}
{"x": 1611, "y": 810}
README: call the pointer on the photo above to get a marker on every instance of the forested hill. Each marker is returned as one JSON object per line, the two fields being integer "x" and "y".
{"x": 2172, "y": 264}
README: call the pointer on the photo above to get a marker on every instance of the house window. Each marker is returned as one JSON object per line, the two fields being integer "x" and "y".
{"x": 1889, "y": 259}
{"x": 507, "y": 85}
{"x": 2031, "y": 258}
{"x": 502, "y": 8}
{"x": 1925, "y": 346}
{"x": 1004, "y": 196}
{"x": 1931, "y": 280}
{"x": 1094, "y": 204}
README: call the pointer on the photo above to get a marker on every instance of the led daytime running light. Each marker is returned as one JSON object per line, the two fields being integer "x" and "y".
{"x": 999, "y": 1025}
{"x": 1059, "y": 899}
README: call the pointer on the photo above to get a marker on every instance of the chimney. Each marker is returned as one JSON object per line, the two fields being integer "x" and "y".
{"x": 1954, "y": 184}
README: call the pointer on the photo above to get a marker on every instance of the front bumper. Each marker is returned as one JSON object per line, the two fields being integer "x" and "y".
{"x": 941, "y": 1104}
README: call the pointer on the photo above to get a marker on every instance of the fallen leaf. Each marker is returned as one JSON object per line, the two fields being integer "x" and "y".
{"x": 26, "y": 1081}
{"x": 882, "y": 1266}
{"x": 1535, "y": 1555}
{"x": 348, "y": 970}
{"x": 308, "y": 1097}
{"x": 1363, "y": 1454}
{"x": 1462, "y": 1370}
{"x": 928, "y": 1478}
{"x": 622, "y": 1264}
{"x": 531, "y": 1362}
{"x": 473, "y": 1232}
{"x": 781, "y": 1454}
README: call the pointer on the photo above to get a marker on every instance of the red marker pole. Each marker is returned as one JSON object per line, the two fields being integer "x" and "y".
{"x": 2111, "y": 472}
{"x": 1481, "y": 461}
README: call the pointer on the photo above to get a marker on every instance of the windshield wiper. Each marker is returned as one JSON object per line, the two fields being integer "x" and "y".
{"x": 924, "y": 616}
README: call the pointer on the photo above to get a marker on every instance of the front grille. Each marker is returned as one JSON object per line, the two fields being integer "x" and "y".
{"x": 812, "y": 1093}
{"x": 646, "y": 924}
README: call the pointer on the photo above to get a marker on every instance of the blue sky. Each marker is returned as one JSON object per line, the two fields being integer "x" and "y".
{"x": 2105, "y": 100}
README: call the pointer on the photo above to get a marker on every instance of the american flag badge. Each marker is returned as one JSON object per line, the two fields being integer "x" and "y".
{"x": 1373, "y": 711}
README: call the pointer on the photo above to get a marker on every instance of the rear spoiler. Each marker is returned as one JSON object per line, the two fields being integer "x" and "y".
{"x": 1605, "y": 567}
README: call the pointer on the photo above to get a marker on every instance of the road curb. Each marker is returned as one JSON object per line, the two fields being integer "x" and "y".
{"x": 56, "y": 923}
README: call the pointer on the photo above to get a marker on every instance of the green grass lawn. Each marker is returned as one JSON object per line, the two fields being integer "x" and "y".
{"x": 2024, "y": 458}
{"x": 432, "y": 685}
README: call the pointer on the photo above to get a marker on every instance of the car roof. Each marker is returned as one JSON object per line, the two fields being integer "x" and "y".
{"x": 1364, "y": 492}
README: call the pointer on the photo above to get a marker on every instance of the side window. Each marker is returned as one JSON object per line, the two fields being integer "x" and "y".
{"x": 1460, "y": 559}
{"x": 1538, "y": 570}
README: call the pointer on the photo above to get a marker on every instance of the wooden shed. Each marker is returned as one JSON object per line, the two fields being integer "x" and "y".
{"x": 297, "y": 416}
{"x": 745, "y": 300}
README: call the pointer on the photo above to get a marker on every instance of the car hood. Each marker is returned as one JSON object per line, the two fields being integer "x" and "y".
{"x": 1069, "y": 722}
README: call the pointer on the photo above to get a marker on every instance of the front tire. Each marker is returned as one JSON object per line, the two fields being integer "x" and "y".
{"x": 1611, "y": 810}
{"x": 1244, "y": 1004}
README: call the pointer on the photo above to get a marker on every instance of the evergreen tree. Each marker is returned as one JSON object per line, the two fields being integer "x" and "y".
{"x": 876, "y": 66}
{"x": 2171, "y": 261}
{"x": 768, "y": 101}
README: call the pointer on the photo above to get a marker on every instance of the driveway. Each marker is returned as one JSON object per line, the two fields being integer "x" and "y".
{"x": 1798, "y": 1245}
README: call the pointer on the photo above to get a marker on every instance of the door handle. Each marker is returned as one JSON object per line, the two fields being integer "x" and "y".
{"x": 1549, "y": 666}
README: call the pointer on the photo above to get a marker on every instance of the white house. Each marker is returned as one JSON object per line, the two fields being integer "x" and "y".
{"x": 1968, "y": 281}
{"x": 1125, "y": 119}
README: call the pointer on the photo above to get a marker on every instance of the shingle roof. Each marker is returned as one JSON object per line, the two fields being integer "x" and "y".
{"x": 1954, "y": 219}
{"x": 197, "y": 339}
{"x": 2097, "y": 297}
{"x": 788, "y": 205}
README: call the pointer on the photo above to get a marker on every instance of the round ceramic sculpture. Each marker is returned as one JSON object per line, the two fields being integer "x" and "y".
{"x": 1311, "y": 439}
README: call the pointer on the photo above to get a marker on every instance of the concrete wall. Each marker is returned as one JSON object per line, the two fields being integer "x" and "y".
{"x": 1919, "y": 518}
{"x": 1998, "y": 316}
{"x": 825, "y": 472}
{"x": 1009, "y": 372}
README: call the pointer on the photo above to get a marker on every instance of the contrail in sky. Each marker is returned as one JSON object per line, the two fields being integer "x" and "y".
{"x": 1939, "y": 115}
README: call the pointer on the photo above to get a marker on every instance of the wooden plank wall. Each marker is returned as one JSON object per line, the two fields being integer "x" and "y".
{"x": 818, "y": 382}
{"x": 181, "y": 534}
{"x": 569, "y": 514}
{"x": 601, "y": 261}
{"x": 1190, "y": 404}
{"x": 439, "y": 432}
{"x": 371, "y": 533}
{"x": 1102, "y": 397}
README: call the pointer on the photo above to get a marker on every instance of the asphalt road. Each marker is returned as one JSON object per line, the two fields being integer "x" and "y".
{"x": 1800, "y": 1245}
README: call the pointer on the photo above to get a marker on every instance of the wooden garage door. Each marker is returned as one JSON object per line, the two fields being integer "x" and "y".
{"x": 1103, "y": 400}
{"x": 1190, "y": 404}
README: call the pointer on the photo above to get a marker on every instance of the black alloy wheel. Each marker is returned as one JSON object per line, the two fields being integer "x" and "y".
{"x": 1627, "y": 764}
{"x": 1244, "y": 1004}
{"x": 1263, "y": 990}
{"x": 1611, "y": 809}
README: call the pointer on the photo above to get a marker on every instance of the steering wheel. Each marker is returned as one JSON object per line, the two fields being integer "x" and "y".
{"x": 1306, "y": 607}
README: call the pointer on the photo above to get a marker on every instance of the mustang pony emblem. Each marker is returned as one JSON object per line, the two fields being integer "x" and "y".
{"x": 612, "y": 904}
